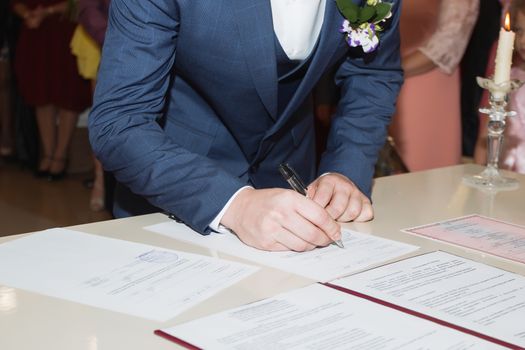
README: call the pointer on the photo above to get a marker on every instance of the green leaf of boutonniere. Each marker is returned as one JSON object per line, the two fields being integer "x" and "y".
{"x": 348, "y": 9}
{"x": 382, "y": 10}
{"x": 366, "y": 13}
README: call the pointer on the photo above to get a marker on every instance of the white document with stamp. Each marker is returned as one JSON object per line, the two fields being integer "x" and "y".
{"x": 462, "y": 292}
{"x": 361, "y": 251}
{"x": 132, "y": 278}
{"x": 318, "y": 317}
{"x": 482, "y": 233}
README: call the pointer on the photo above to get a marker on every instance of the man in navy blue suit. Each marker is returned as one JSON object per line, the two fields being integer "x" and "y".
{"x": 199, "y": 101}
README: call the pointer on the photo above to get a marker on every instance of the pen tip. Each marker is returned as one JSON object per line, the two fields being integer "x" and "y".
{"x": 339, "y": 243}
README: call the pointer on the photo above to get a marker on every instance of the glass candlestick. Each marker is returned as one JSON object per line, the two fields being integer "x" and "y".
{"x": 491, "y": 178}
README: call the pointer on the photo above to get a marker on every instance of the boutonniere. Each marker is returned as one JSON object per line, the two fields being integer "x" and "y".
{"x": 363, "y": 24}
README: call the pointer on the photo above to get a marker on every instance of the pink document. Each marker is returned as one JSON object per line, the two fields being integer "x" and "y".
{"x": 481, "y": 233}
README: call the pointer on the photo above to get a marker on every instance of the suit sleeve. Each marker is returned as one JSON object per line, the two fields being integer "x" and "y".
{"x": 134, "y": 78}
{"x": 369, "y": 88}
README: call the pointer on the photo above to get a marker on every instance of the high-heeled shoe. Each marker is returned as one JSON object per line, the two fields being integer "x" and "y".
{"x": 97, "y": 203}
{"x": 56, "y": 176}
{"x": 5, "y": 151}
{"x": 7, "y": 155}
{"x": 43, "y": 171}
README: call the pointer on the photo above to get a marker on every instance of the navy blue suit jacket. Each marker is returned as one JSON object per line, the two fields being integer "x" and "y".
{"x": 185, "y": 107}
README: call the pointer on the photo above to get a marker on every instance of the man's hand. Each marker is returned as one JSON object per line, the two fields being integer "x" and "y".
{"x": 280, "y": 219}
{"x": 341, "y": 198}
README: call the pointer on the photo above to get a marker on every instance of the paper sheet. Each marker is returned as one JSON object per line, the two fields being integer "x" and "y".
{"x": 322, "y": 264}
{"x": 460, "y": 291}
{"x": 122, "y": 276}
{"x": 480, "y": 233}
{"x": 318, "y": 317}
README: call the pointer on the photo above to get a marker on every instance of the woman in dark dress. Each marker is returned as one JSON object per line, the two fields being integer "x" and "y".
{"x": 6, "y": 117}
{"x": 48, "y": 79}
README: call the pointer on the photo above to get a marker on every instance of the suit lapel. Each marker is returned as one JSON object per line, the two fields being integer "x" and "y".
{"x": 254, "y": 21}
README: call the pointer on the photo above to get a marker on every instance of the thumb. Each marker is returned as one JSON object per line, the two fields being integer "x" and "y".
{"x": 311, "y": 189}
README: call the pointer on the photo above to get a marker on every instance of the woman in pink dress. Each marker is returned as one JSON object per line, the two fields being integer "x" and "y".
{"x": 427, "y": 124}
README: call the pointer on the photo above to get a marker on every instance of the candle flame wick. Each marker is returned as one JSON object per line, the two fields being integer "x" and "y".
{"x": 507, "y": 22}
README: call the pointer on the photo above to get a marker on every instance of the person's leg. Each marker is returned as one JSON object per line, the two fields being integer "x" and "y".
{"x": 45, "y": 117}
{"x": 98, "y": 192}
{"x": 6, "y": 127}
{"x": 67, "y": 123}
{"x": 96, "y": 202}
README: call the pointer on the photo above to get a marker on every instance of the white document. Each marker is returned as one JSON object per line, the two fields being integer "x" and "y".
{"x": 318, "y": 317}
{"x": 361, "y": 251}
{"x": 122, "y": 276}
{"x": 460, "y": 291}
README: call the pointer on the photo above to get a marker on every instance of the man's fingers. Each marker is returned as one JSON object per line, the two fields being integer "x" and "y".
{"x": 367, "y": 212}
{"x": 352, "y": 210}
{"x": 319, "y": 217}
{"x": 341, "y": 198}
{"x": 306, "y": 230}
{"x": 292, "y": 242}
{"x": 338, "y": 205}
{"x": 323, "y": 193}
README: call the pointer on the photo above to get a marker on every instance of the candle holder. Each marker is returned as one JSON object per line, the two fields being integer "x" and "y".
{"x": 490, "y": 178}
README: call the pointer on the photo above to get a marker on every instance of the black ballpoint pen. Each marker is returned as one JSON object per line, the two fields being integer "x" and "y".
{"x": 298, "y": 185}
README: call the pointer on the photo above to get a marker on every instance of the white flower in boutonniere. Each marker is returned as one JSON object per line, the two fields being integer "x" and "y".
{"x": 363, "y": 24}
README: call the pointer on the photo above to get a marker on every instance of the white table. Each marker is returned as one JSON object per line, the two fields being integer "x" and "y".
{"x": 33, "y": 321}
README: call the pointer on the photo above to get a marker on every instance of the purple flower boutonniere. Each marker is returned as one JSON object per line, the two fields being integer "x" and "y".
{"x": 363, "y": 24}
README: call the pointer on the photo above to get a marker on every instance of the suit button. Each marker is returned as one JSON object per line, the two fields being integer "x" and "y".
{"x": 254, "y": 168}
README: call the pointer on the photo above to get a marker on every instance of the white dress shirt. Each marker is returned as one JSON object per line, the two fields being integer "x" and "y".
{"x": 297, "y": 24}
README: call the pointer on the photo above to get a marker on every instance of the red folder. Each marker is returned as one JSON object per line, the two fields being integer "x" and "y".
{"x": 176, "y": 340}
{"x": 381, "y": 302}
{"x": 426, "y": 317}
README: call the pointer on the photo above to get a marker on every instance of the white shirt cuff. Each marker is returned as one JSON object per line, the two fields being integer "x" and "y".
{"x": 216, "y": 223}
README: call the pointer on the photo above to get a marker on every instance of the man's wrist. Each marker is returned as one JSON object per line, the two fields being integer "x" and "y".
{"x": 232, "y": 214}
{"x": 217, "y": 224}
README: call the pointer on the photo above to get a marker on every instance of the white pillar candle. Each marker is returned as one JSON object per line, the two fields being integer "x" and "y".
{"x": 504, "y": 56}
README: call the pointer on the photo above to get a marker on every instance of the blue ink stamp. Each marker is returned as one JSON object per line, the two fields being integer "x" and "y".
{"x": 159, "y": 256}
